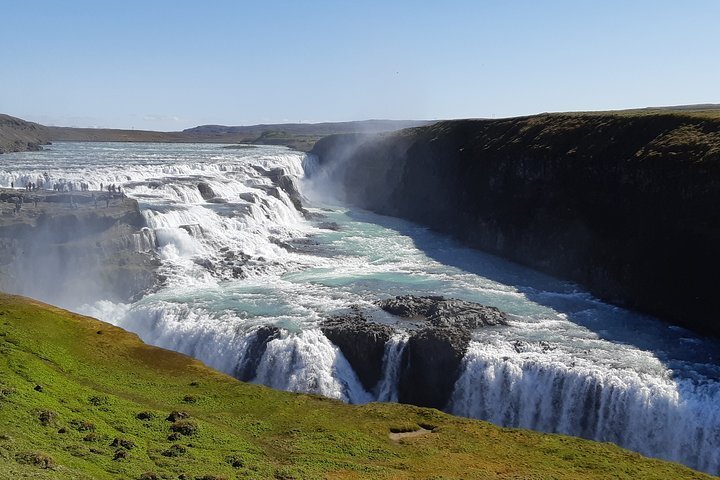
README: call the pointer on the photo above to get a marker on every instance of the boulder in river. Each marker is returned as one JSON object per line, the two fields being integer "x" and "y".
{"x": 362, "y": 342}
{"x": 440, "y": 311}
{"x": 247, "y": 370}
{"x": 430, "y": 364}
{"x": 206, "y": 190}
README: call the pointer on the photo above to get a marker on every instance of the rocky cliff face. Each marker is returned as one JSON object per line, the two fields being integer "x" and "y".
{"x": 438, "y": 333}
{"x": 624, "y": 204}
{"x": 17, "y": 135}
{"x": 67, "y": 250}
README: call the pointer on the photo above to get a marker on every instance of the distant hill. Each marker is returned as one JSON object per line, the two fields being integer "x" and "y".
{"x": 300, "y": 136}
{"x": 17, "y": 135}
{"x": 20, "y": 135}
{"x": 326, "y": 128}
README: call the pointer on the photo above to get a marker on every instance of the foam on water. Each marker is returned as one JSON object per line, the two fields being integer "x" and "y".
{"x": 566, "y": 363}
{"x": 559, "y": 392}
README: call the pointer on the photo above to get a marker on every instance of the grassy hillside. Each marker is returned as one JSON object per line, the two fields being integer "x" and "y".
{"x": 82, "y": 399}
{"x": 300, "y": 136}
{"x": 17, "y": 135}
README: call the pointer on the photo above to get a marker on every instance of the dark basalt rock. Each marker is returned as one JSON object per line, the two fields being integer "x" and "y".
{"x": 362, "y": 342}
{"x": 431, "y": 360}
{"x": 329, "y": 226}
{"x": 431, "y": 365}
{"x": 206, "y": 191}
{"x": 255, "y": 350}
{"x": 287, "y": 183}
{"x": 440, "y": 311}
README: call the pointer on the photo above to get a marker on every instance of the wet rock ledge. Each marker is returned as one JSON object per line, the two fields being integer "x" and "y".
{"x": 71, "y": 248}
{"x": 439, "y": 331}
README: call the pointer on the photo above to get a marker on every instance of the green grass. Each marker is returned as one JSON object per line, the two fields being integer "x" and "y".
{"x": 80, "y": 399}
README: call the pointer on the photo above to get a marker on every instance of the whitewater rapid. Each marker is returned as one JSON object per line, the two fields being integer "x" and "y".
{"x": 248, "y": 258}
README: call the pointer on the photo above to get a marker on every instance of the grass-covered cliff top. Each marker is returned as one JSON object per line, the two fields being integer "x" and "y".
{"x": 82, "y": 399}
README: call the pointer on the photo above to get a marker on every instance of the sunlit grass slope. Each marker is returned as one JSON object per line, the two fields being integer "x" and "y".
{"x": 80, "y": 399}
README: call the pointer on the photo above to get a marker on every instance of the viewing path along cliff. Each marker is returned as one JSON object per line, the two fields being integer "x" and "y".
{"x": 625, "y": 204}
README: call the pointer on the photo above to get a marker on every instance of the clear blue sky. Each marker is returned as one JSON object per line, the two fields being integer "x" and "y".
{"x": 168, "y": 65}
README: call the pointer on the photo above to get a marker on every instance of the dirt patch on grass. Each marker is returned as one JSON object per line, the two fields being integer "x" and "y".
{"x": 397, "y": 436}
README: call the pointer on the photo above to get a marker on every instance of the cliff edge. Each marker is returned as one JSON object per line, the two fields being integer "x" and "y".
{"x": 70, "y": 248}
{"x": 622, "y": 203}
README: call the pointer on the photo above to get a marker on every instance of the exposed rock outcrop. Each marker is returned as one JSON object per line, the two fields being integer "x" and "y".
{"x": 431, "y": 360}
{"x": 442, "y": 312}
{"x": 206, "y": 191}
{"x": 73, "y": 252}
{"x": 624, "y": 204}
{"x": 431, "y": 365}
{"x": 255, "y": 350}
{"x": 362, "y": 342}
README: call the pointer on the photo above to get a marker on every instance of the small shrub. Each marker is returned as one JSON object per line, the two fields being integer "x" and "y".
{"x": 47, "y": 417}
{"x": 97, "y": 400}
{"x": 211, "y": 477}
{"x": 145, "y": 416}
{"x": 91, "y": 437}
{"x": 120, "y": 454}
{"x": 38, "y": 388}
{"x": 120, "y": 442}
{"x": 176, "y": 415}
{"x": 82, "y": 425}
{"x": 194, "y": 384}
{"x": 149, "y": 476}
{"x": 184, "y": 427}
{"x": 190, "y": 399}
{"x": 62, "y": 430}
{"x": 6, "y": 392}
{"x": 175, "y": 451}
{"x": 282, "y": 474}
{"x": 174, "y": 437}
{"x": 235, "y": 461}
{"x": 37, "y": 459}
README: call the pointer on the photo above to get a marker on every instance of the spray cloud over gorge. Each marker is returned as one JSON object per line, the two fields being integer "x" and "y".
{"x": 246, "y": 278}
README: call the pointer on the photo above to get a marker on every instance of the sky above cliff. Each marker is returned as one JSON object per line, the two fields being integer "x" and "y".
{"x": 169, "y": 65}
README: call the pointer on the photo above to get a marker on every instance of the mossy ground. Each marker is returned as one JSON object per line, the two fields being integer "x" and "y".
{"x": 80, "y": 399}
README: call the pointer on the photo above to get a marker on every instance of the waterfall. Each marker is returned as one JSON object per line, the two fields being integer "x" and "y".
{"x": 387, "y": 389}
{"x": 663, "y": 417}
{"x": 308, "y": 362}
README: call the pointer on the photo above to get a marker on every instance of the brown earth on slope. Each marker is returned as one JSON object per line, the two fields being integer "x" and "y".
{"x": 17, "y": 135}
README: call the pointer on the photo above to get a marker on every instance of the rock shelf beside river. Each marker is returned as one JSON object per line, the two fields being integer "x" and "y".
{"x": 70, "y": 246}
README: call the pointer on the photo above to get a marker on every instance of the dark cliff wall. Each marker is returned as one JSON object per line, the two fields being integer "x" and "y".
{"x": 626, "y": 205}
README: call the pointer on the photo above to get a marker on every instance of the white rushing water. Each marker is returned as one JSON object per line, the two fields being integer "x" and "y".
{"x": 566, "y": 363}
